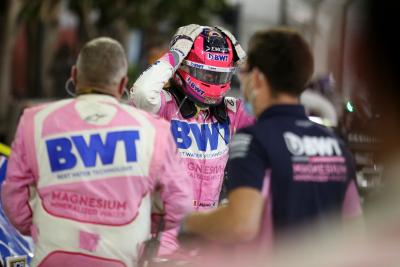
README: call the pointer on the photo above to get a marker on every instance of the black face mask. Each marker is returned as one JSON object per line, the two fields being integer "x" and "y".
{"x": 188, "y": 109}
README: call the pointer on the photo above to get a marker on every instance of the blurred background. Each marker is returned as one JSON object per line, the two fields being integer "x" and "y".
{"x": 40, "y": 39}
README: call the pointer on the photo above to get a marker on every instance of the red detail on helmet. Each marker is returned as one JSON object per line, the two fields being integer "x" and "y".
{"x": 211, "y": 48}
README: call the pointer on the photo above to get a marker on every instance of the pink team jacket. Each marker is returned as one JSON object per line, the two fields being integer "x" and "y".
{"x": 80, "y": 178}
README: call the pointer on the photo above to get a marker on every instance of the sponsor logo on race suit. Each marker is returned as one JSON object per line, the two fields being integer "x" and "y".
{"x": 316, "y": 158}
{"x": 62, "y": 157}
{"x": 96, "y": 157}
{"x": 311, "y": 145}
{"x": 211, "y": 204}
{"x": 92, "y": 154}
{"x": 206, "y": 140}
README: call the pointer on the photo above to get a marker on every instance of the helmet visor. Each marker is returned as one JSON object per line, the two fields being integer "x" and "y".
{"x": 209, "y": 74}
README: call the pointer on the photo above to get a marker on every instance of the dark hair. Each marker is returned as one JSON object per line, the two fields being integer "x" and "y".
{"x": 284, "y": 57}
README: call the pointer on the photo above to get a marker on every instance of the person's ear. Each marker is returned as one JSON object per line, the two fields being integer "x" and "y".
{"x": 122, "y": 85}
{"x": 74, "y": 74}
{"x": 259, "y": 80}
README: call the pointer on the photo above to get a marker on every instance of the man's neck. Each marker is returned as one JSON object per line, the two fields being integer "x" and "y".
{"x": 82, "y": 90}
{"x": 285, "y": 99}
{"x": 281, "y": 99}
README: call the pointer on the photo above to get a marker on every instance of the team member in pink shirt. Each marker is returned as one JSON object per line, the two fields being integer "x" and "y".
{"x": 82, "y": 170}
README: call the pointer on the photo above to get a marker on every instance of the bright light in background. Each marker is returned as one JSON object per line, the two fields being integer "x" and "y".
{"x": 316, "y": 119}
{"x": 321, "y": 121}
{"x": 349, "y": 106}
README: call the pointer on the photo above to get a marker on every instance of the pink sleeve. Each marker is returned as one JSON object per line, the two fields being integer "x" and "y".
{"x": 15, "y": 189}
{"x": 176, "y": 194}
{"x": 163, "y": 106}
{"x": 176, "y": 186}
{"x": 168, "y": 242}
{"x": 351, "y": 205}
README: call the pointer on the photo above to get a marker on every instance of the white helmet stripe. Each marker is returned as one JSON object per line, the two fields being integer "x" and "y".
{"x": 206, "y": 67}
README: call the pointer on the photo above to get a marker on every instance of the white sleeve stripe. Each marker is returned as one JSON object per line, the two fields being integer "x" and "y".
{"x": 239, "y": 146}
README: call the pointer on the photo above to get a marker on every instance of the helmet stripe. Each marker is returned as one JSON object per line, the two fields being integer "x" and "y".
{"x": 206, "y": 67}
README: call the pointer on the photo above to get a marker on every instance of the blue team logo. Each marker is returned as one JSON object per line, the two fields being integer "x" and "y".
{"x": 62, "y": 156}
{"x": 201, "y": 137}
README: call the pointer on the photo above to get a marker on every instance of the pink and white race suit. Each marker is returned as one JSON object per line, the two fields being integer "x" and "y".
{"x": 201, "y": 140}
{"x": 80, "y": 178}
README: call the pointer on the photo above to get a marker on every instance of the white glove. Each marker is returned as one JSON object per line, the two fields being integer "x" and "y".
{"x": 182, "y": 42}
{"x": 241, "y": 55}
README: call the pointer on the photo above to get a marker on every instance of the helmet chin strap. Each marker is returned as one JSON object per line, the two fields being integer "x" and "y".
{"x": 199, "y": 108}
{"x": 196, "y": 112}
{"x": 181, "y": 104}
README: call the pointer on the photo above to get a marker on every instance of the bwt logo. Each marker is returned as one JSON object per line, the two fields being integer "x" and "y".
{"x": 62, "y": 157}
{"x": 196, "y": 65}
{"x": 203, "y": 134}
{"x": 311, "y": 145}
{"x": 217, "y": 57}
{"x": 194, "y": 86}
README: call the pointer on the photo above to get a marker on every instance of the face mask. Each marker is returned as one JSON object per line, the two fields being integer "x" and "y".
{"x": 246, "y": 86}
{"x": 247, "y": 103}
{"x": 248, "y": 107}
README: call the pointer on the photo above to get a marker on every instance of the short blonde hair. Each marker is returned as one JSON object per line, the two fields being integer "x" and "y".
{"x": 102, "y": 62}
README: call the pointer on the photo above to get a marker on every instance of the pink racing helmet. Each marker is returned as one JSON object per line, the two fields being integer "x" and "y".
{"x": 206, "y": 72}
